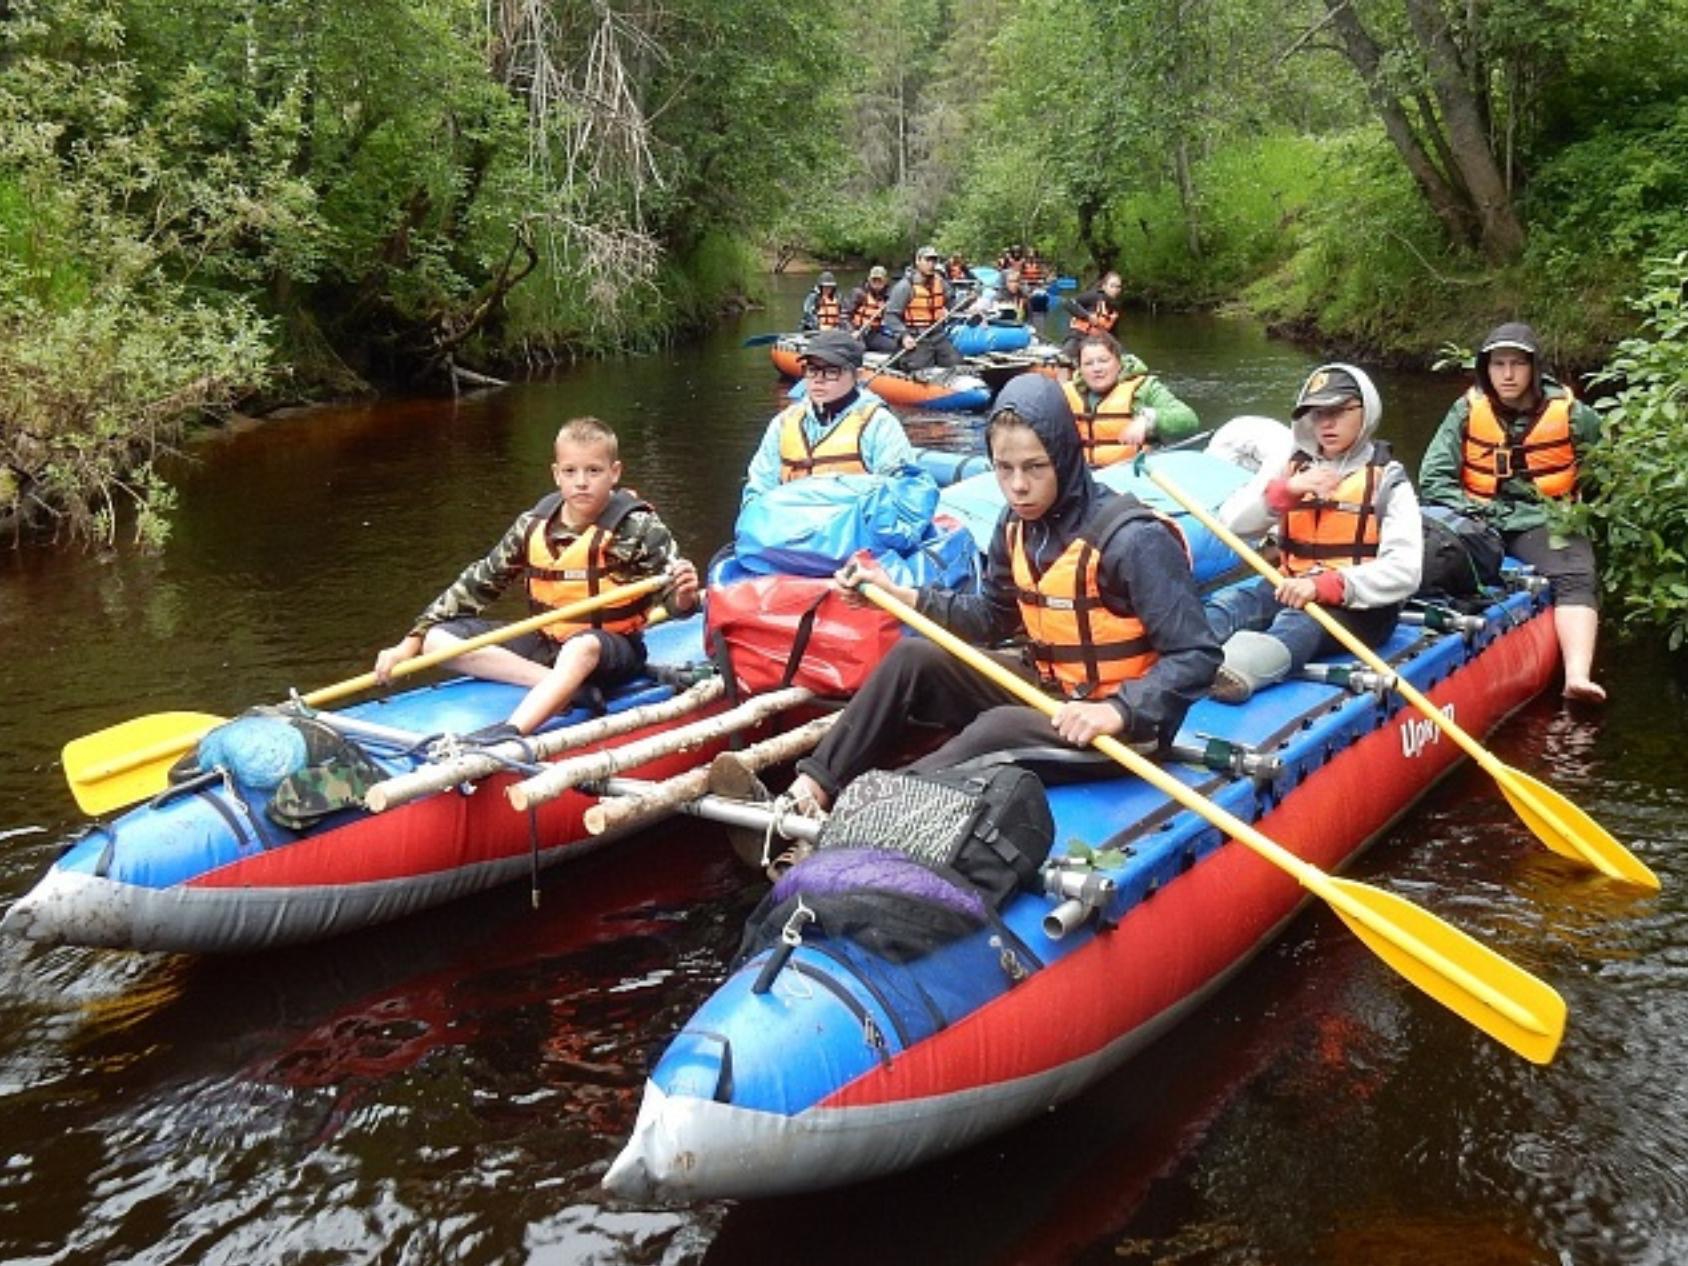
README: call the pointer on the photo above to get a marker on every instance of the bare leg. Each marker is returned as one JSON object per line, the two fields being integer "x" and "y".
{"x": 490, "y": 663}
{"x": 1578, "y": 627}
{"x": 575, "y": 662}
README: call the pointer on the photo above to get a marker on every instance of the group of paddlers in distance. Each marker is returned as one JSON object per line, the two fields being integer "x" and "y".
{"x": 910, "y": 317}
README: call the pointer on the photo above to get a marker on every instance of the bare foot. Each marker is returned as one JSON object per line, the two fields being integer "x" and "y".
{"x": 1584, "y": 691}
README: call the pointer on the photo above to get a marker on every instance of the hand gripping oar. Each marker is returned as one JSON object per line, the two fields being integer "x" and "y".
{"x": 1488, "y": 991}
{"x": 126, "y": 763}
{"x": 1557, "y": 823}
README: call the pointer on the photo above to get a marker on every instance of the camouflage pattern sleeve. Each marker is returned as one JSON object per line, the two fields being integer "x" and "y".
{"x": 643, "y": 546}
{"x": 483, "y": 580}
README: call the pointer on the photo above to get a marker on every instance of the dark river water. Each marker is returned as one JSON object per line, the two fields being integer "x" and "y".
{"x": 450, "y": 1088}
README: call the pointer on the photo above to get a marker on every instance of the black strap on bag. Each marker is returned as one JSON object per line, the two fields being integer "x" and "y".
{"x": 993, "y": 826}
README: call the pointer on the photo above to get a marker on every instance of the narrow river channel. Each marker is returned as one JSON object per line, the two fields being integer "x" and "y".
{"x": 451, "y": 1087}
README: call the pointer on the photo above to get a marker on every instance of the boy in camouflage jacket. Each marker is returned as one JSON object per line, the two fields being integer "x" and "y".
{"x": 585, "y": 537}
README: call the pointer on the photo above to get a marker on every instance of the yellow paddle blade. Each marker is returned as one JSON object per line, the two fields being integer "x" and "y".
{"x": 124, "y": 763}
{"x": 1568, "y": 831}
{"x": 1470, "y": 979}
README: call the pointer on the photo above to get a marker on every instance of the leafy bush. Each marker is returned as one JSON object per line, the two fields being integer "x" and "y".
{"x": 93, "y": 395}
{"x": 1637, "y": 513}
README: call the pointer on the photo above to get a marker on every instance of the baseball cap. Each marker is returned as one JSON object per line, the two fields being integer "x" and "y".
{"x": 1514, "y": 334}
{"x": 1326, "y": 387}
{"x": 833, "y": 347}
{"x": 876, "y": 273}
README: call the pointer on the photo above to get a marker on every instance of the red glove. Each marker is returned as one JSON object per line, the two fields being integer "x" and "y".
{"x": 1330, "y": 588}
{"x": 1279, "y": 498}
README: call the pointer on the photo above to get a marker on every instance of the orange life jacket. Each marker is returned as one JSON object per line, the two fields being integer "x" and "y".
{"x": 582, "y": 569}
{"x": 869, "y": 307}
{"x": 839, "y": 451}
{"x": 826, "y": 310}
{"x": 1032, "y": 272}
{"x": 1099, "y": 430}
{"x": 1100, "y": 320}
{"x": 1078, "y": 645}
{"x": 926, "y": 305}
{"x": 1489, "y": 456}
{"x": 1341, "y": 530}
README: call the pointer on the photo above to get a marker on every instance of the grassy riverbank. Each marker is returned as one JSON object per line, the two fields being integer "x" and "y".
{"x": 1323, "y": 239}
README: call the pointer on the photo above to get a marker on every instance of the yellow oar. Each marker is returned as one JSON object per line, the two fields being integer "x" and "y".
{"x": 1557, "y": 823}
{"x": 1492, "y": 993}
{"x": 126, "y": 763}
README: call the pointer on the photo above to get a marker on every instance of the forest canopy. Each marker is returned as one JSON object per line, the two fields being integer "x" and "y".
{"x": 205, "y": 202}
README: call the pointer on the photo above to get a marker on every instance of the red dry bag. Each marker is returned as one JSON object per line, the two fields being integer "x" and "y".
{"x": 796, "y": 631}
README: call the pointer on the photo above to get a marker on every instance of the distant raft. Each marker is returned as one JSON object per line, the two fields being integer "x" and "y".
{"x": 954, "y": 390}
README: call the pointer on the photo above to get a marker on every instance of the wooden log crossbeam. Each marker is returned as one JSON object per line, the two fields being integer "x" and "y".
{"x": 475, "y": 765}
{"x": 552, "y": 782}
{"x": 651, "y": 801}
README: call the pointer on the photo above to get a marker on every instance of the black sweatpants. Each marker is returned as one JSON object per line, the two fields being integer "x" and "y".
{"x": 922, "y": 683}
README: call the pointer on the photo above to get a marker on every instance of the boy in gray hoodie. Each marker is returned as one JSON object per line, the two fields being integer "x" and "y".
{"x": 1348, "y": 530}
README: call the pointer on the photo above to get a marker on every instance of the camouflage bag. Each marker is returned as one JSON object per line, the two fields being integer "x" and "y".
{"x": 338, "y": 777}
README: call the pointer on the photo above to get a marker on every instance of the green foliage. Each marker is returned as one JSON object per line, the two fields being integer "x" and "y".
{"x": 876, "y": 226}
{"x": 1637, "y": 514}
{"x": 202, "y": 197}
{"x": 1622, "y": 192}
{"x": 115, "y": 326}
{"x": 1255, "y": 194}
{"x": 93, "y": 395}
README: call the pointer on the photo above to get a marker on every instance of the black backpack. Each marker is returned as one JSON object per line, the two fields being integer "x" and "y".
{"x": 992, "y": 826}
{"x": 1462, "y": 555}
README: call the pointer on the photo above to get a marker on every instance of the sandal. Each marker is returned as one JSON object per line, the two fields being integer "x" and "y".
{"x": 776, "y": 869}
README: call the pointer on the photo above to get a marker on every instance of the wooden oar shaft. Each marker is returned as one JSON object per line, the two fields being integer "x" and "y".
{"x": 1305, "y": 873}
{"x": 177, "y": 744}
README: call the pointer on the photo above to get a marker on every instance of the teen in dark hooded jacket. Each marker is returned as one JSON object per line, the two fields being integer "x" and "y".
{"x": 1147, "y": 676}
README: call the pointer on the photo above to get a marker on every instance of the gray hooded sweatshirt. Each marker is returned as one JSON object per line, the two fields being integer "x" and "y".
{"x": 1394, "y": 575}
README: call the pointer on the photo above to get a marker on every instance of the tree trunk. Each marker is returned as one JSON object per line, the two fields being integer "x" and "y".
{"x": 1187, "y": 198}
{"x": 1501, "y": 232}
{"x": 1458, "y": 220}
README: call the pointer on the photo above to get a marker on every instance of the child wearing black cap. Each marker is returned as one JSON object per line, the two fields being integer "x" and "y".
{"x": 1348, "y": 530}
{"x": 917, "y": 312}
{"x": 1510, "y": 444}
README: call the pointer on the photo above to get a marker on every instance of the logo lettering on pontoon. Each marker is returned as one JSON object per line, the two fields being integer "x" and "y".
{"x": 1418, "y": 733}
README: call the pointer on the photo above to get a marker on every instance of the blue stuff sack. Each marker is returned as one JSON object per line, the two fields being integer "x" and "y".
{"x": 811, "y": 527}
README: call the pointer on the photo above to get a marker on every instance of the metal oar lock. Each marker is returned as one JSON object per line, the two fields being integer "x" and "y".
{"x": 1441, "y": 620}
{"x": 1226, "y": 756}
{"x": 1350, "y": 677}
{"x": 1084, "y": 892}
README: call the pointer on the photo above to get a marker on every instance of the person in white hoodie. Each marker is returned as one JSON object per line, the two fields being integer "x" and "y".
{"x": 1348, "y": 530}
